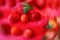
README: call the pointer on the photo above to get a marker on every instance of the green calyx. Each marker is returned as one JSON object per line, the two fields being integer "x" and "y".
{"x": 27, "y": 7}
{"x": 49, "y": 26}
{"x": 25, "y": 10}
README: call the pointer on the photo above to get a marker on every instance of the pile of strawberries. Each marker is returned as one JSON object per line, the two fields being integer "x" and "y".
{"x": 32, "y": 19}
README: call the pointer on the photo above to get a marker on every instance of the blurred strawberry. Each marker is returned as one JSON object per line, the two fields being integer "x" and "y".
{"x": 14, "y": 18}
{"x": 24, "y": 18}
{"x": 28, "y": 33}
{"x": 35, "y": 16}
{"x": 15, "y": 31}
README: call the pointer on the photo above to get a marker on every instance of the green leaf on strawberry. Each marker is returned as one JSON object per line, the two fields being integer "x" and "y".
{"x": 25, "y": 10}
{"x": 49, "y": 26}
{"x": 26, "y": 7}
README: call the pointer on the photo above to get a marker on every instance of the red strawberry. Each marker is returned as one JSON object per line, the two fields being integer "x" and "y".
{"x": 14, "y": 18}
{"x": 28, "y": 33}
{"x": 15, "y": 31}
{"x": 24, "y": 18}
{"x": 35, "y": 16}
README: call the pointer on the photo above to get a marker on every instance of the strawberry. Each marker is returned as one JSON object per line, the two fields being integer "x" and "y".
{"x": 14, "y": 18}
{"x": 35, "y": 16}
{"x": 24, "y": 18}
{"x": 15, "y": 31}
{"x": 28, "y": 33}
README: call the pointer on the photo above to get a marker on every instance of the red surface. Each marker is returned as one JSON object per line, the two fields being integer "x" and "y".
{"x": 39, "y": 27}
